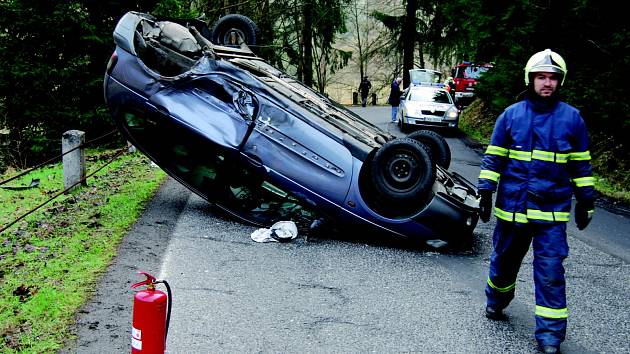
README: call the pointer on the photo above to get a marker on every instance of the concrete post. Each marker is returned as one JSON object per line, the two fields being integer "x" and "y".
{"x": 74, "y": 162}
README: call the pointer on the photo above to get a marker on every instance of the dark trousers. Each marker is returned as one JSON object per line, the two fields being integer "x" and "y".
{"x": 511, "y": 242}
{"x": 363, "y": 100}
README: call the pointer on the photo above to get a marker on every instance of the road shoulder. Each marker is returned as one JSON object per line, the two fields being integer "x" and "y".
{"x": 104, "y": 320}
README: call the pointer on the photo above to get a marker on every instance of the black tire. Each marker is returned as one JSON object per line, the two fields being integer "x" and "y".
{"x": 226, "y": 27}
{"x": 402, "y": 125}
{"x": 402, "y": 173}
{"x": 438, "y": 147}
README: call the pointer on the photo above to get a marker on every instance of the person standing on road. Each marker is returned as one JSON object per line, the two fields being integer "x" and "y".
{"x": 394, "y": 97}
{"x": 364, "y": 89}
{"x": 537, "y": 159}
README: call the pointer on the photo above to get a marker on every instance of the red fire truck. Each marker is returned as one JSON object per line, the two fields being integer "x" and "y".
{"x": 465, "y": 76}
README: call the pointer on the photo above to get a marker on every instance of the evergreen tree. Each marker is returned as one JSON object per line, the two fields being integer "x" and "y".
{"x": 53, "y": 55}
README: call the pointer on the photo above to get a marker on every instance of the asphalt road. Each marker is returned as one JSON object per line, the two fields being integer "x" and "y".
{"x": 347, "y": 293}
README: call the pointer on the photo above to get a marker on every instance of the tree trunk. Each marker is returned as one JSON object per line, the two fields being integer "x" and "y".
{"x": 408, "y": 45}
{"x": 421, "y": 53}
{"x": 307, "y": 37}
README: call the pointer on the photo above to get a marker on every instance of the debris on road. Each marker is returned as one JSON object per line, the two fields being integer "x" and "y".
{"x": 282, "y": 231}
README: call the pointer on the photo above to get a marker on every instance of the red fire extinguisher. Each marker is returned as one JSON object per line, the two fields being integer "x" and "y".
{"x": 151, "y": 316}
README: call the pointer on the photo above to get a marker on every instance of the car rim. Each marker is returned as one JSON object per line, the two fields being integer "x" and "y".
{"x": 401, "y": 170}
{"x": 231, "y": 36}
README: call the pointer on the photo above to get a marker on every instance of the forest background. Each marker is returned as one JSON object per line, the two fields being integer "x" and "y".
{"x": 53, "y": 55}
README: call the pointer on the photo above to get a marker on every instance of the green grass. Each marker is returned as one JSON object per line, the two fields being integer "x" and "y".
{"x": 50, "y": 261}
{"x": 473, "y": 133}
{"x": 476, "y": 122}
{"x": 616, "y": 193}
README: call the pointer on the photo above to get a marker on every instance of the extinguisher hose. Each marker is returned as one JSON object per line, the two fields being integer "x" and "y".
{"x": 168, "y": 307}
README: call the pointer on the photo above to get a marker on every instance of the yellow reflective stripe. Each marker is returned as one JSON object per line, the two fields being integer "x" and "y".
{"x": 562, "y": 158}
{"x": 561, "y": 215}
{"x": 535, "y": 154}
{"x": 520, "y": 217}
{"x": 580, "y": 156}
{"x": 502, "y": 290}
{"x": 491, "y": 175}
{"x": 534, "y": 214}
{"x": 590, "y": 213}
{"x": 539, "y": 215}
{"x": 520, "y": 155}
{"x": 551, "y": 313}
{"x": 509, "y": 216}
{"x": 543, "y": 155}
{"x": 496, "y": 150}
{"x": 584, "y": 181}
{"x": 550, "y": 156}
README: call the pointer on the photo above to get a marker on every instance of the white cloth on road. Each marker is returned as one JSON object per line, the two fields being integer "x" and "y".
{"x": 282, "y": 231}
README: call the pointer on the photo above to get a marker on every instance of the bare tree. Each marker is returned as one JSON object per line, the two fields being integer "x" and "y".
{"x": 369, "y": 35}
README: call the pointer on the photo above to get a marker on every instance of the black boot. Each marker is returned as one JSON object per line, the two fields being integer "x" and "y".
{"x": 494, "y": 314}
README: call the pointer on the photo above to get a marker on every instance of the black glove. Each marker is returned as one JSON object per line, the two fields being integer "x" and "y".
{"x": 583, "y": 213}
{"x": 485, "y": 205}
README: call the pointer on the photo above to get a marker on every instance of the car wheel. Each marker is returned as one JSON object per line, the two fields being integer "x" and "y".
{"x": 402, "y": 173}
{"x": 227, "y": 29}
{"x": 438, "y": 147}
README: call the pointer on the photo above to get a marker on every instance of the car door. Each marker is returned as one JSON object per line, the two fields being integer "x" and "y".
{"x": 193, "y": 128}
{"x": 302, "y": 152}
{"x": 212, "y": 106}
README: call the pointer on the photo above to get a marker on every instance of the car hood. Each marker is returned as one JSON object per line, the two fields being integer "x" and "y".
{"x": 429, "y": 106}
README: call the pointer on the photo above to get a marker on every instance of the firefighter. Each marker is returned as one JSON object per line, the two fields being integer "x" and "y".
{"x": 537, "y": 159}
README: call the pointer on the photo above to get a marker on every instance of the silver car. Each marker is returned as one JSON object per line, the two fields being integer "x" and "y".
{"x": 427, "y": 105}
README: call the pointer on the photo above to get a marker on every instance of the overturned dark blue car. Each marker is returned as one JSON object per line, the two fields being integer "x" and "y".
{"x": 263, "y": 147}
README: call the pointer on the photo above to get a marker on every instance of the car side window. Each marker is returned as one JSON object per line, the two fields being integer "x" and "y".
{"x": 272, "y": 115}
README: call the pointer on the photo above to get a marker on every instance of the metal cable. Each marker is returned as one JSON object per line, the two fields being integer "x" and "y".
{"x": 118, "y": 154}
{"x": 56, "y": 158}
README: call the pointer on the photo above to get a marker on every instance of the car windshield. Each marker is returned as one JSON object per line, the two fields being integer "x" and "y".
{"x": 421, "y": 76}
{"x": 437, "y": 96}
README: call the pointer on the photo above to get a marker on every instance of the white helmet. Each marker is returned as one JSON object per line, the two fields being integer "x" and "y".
{"x": 546, "y": 61}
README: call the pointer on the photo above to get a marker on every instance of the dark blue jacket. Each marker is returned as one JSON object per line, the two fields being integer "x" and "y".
{"x": 538, "y": 158}
{"x": 395, "y": 93}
